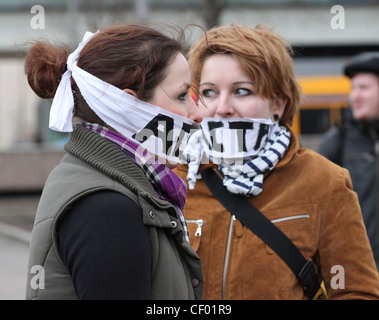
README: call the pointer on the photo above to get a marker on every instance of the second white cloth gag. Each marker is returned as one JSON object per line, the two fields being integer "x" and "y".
{"x": 243, "y": 150}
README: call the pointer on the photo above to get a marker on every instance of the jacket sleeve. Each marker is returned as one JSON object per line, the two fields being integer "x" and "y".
{"x": 346, "y": 257}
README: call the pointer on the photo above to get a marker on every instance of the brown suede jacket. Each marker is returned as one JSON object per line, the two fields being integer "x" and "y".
{"x": 311, "y": 200}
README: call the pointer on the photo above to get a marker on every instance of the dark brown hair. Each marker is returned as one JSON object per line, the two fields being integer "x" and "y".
{"x": 128, "y": 56}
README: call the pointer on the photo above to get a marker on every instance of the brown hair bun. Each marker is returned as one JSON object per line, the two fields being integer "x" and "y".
{"x": 44, "y": 67}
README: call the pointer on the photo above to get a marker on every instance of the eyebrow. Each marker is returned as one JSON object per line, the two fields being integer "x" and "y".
{"x": 239, "y": 82}
{"x": 234, "y": 83}
{"x": 206, "y": 84}
{"x": 186, "y": 85}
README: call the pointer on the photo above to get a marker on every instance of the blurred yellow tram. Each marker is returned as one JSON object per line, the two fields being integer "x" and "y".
{"x": 322, "y": 94}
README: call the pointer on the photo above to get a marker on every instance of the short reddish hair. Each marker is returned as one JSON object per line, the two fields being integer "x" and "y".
{"x": 262, "y": 54}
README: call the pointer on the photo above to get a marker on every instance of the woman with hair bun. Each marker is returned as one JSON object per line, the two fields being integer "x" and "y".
{"x": 109, "y": 224}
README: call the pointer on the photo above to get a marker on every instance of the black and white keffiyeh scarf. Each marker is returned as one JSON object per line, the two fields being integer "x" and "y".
{"x": 243, "y": 150}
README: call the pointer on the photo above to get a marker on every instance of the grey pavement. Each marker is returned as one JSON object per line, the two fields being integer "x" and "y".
{"x": 16, "y": 221}
{"x": 13, "y": 262}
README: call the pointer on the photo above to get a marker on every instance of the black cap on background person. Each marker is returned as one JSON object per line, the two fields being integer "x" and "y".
{"x": 363, "y": 62}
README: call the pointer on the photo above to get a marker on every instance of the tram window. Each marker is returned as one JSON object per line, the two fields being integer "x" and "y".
{"x": 314, "y": 121}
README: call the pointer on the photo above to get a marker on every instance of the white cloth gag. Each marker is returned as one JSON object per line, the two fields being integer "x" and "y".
{"x": 155, "y": 129}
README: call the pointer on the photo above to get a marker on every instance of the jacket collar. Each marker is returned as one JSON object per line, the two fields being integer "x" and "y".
{"x": 291, "y": 151}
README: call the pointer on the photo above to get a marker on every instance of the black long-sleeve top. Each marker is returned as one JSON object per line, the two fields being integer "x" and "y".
{"x": 106, "y": 247}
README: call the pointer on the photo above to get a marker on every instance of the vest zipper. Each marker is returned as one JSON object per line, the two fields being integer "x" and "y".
{"x": 226, "y": 262}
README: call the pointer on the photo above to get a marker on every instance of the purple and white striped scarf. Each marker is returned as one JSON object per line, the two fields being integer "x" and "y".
{"x": 166, "y": 183}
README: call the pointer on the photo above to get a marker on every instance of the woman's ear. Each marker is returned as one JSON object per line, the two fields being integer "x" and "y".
{"x": 130, "y": 91}
{"x": 279, "y": 105}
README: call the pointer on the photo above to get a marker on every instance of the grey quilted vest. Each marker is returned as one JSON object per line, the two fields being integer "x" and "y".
{"x": 93, "y": 163}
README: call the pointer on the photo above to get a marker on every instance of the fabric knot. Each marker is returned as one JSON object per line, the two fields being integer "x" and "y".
{"x": 62, "y": 108}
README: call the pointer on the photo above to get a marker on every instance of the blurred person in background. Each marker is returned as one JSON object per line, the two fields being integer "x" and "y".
{"x": 243, "y": 77}
{"x": 109, "y": 224}
{"x": 353, "y": 142}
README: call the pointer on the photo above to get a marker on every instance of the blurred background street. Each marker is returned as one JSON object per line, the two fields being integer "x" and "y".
{"x": 323, "y": 35}
{"x": 16, "y": 222}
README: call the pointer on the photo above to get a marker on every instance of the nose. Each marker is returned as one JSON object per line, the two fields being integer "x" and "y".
{"x": 225, "y": 108}
{"x": 195, "y": 114}
{"x": 354, "y": 95}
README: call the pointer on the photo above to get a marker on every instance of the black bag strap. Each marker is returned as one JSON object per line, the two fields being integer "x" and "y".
{"x": 252, "y": 218}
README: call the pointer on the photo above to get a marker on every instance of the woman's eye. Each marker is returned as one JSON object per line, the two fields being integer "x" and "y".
{"x": 183, "y": 96}
{"x": 243, "y": 92}
{"x": 208, "y": 93}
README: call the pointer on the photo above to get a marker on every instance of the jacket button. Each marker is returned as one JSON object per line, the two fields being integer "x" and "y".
{"x": 195, "y": 283}
{"x": 151, "y": 214}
